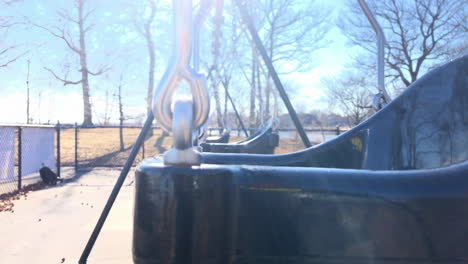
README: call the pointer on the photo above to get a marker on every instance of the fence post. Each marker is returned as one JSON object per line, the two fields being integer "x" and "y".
{"x": 76, "y": 147}
{"x": 58, "y": 161}
{"x": 19, "y": 157}
{"x": 337, "y": 130}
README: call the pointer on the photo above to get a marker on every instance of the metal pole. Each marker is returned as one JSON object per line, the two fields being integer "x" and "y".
{"x": 27, "y": 95}
{"x": 76, "y": 147}
{"x": 271, "y": 69}
{"x": 116, "y": 189}
{"x": 20, "y": 160}
{"x": 380, "y": 49}
{"x": 58, "y": 161}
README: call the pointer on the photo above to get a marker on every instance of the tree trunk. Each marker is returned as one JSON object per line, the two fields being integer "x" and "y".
{"x": 267, "y": 97}
{"x": 275, "y": 104}
{"x": 226, "y": 87}
{"x": 87, "y": 111}
{"x": 152, "y": 57}
{"x": 252, "y": 94}
{"x": 260, "y": 96}
{"x": 215, "y": 67}
{"x": 106, "y": 110}
{"x": 121, "y": 118}
{"x": 87, "y": 114}
{"x": 268, "y": 84}
{"x": 152, "y": 63}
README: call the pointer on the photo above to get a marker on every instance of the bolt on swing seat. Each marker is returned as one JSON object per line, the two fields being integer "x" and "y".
{"x": 263, "y": 141}
{"x": 394, "y": 189}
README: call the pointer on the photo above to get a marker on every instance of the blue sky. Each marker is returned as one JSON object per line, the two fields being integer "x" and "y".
{"x": 116, "y": 44}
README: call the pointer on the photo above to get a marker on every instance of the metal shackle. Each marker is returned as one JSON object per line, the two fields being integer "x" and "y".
{"x": 179, "y": 70}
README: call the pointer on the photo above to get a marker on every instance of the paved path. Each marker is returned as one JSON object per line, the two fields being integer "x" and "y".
{"x": 54, "y": 224}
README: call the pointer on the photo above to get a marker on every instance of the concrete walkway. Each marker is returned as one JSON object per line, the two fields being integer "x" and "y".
{"x": 53, "y": 225}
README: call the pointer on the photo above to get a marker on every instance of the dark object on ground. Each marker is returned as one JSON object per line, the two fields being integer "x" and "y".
{"x": 48, "y": 176}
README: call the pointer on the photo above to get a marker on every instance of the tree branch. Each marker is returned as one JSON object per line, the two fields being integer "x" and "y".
{"x": 5, "y": 64}
{"x": 65, "y": 82}
{"x": 99, "y": 72}
{"x": 61, "y": 35}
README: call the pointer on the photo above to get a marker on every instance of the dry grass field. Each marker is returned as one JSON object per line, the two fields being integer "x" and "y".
{"x": 101, "y": 146}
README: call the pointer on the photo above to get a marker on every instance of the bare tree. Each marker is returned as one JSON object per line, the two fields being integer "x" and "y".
{"x": 252, "y": 91}
{"x": 80, "y": 21}
{"x": 108, "y": 105}
{"x": 227, "y": 53}
{"x": 216, "y": 71}
{"x": 351, "y": 94}
{"x": 420, "y": 33}
{"x": 291, "y": 31}
{"x": 145, "y": 29}
{"x": 8, "y": 53}
{"x": 5, "y": 58}
{"x": 121, "y": 113}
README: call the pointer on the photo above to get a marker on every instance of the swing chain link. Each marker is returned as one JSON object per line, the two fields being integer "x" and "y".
{"x": 179, "y": 70}
{"x": 190, "y": 114}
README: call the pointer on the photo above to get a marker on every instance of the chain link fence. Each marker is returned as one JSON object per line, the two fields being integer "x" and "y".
{"x": 24, "y": 150}
{"x": 8, "y": 159}
{"x": 69, "y": 148}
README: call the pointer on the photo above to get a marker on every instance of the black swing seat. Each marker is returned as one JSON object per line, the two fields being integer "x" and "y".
{"x": 260, "y": 215}
{"x": 223, "y": 138}
{"x": 392, "y": 190}
{"x": 425, "y": 127}
{"x": 263, "y": 141}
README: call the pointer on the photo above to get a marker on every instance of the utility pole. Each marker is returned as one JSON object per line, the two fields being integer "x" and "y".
{"x": 28, "y": 120}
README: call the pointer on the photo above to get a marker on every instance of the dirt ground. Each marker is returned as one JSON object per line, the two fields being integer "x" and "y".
{"x": 52, "y": 225}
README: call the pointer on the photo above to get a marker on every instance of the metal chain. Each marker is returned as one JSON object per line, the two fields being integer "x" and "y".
{"x": 179, "y": 70}
{"x": 189, "y": 114}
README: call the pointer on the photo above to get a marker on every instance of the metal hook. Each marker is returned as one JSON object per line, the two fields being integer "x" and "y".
{"x": 178, "y": 70}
